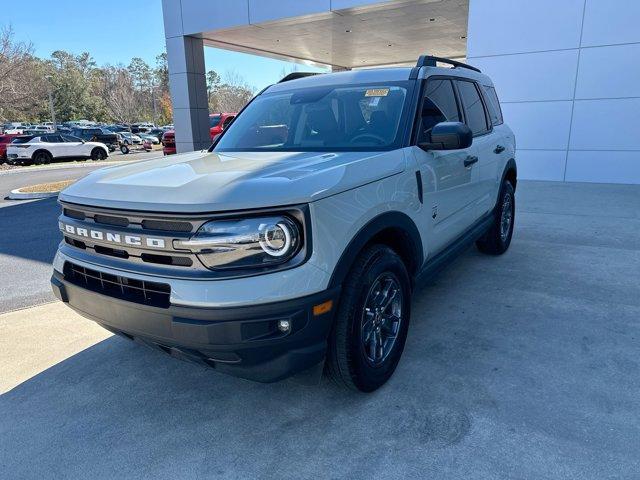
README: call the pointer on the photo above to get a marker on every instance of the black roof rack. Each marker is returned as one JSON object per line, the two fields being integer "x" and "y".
{"x": 296, "y": 75}
{"x": 430, "y": 61}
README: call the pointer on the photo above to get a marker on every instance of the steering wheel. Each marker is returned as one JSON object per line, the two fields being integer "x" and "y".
{"x": 362, "y": 136}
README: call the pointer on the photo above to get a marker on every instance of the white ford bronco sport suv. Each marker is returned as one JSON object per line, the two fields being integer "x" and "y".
{"x": 294, "y": 243}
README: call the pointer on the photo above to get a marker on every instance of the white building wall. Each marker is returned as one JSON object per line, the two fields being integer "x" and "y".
{"x": 568, "y": 76}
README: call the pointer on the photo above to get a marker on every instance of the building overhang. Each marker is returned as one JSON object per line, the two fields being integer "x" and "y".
{"x": 369, "y": 34}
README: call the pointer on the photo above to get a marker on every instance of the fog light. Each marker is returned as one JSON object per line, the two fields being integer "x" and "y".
{"x": 284, "y": 326}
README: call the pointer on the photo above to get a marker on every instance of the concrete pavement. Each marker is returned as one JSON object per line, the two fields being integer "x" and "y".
{"x": 520, "y": 366}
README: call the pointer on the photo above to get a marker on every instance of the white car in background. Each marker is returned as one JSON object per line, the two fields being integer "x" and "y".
{"x": 41, "y": 149}
{"x": 148, "y": 137}
{"x": 129, "y": 138}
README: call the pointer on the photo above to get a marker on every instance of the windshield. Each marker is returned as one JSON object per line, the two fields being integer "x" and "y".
{"x": 333, "y": 118}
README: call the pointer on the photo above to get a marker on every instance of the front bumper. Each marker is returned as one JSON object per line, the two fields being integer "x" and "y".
{"x": 242, "y": 341}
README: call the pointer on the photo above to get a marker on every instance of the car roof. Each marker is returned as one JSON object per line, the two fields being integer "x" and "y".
{"x": 375, "y": 75}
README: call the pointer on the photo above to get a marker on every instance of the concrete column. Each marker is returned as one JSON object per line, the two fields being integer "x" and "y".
{"x": 188, "y": 85}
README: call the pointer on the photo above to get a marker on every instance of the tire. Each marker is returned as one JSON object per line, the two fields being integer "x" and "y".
{"x": 41, "y": 158}
{"x": 98, "y": 154}
{"x": 498, "y": 238}
{"x": 354, "y": 357}
{"x": 124, "y": 149}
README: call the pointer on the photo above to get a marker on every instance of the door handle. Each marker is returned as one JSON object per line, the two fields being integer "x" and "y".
{"x": 470, "y": 161}
{"x": 499, "y": 149}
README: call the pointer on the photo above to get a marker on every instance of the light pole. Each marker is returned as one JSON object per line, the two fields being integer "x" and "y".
{"x": 53, "y": 113}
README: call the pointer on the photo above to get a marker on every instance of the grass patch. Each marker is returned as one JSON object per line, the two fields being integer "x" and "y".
{"x": 47, "y": 187}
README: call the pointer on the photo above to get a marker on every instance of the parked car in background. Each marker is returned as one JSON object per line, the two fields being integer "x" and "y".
{"x": 149, "y": 138}
{"x": 5, "y": 139}
{"x": 35, "y": 131}
{"x": 169, "y": 142}
{"x": 97, "y": 134}
{"x": 129, "y": 138}
{"x": 118, "y": 128}
{"x": 157, "y": 132}
{"x": 42, "y": 149}
{"x": 218, "y": 122}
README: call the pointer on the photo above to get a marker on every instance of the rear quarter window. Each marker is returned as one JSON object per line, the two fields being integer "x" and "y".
{"x": 493, "y": 104}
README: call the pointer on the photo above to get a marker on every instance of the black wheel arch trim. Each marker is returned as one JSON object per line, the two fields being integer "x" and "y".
{"x": 511, "y": 165}
{"x": 377, "y": 225}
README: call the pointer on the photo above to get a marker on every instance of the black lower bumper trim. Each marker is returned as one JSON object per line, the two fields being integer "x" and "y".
{"x": 243, "y": 341}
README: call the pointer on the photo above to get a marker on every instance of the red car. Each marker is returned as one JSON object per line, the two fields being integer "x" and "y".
{"x": 169, "y": 142}
{"x": 218, "y": 122}
{"x": 5, "y": 139}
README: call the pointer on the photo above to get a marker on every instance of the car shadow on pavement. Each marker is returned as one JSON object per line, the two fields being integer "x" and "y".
{"x": 118, "y": 409}
{"x": 30, "y": 230}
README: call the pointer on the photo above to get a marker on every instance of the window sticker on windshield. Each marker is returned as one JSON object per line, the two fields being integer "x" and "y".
{"x": 377, "y": 92}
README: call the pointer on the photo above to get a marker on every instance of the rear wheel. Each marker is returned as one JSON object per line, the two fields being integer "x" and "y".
{"x": 98, "y": 154}
{"x": 371, "y": 324}
{"x": 41, "y": 158}
{"x": 497, "y": 240}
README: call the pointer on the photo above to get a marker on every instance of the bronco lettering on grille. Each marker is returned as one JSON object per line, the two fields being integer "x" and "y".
{"x": 111, "y": 237}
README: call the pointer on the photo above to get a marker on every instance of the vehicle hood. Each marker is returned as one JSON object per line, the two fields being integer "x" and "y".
{"x": 210, "y": 182}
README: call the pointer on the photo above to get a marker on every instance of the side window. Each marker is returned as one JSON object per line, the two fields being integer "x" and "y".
{"x": 51, "y": 138}
{"x": 473, "y": 107}
{"x": 439, "y": 105}
{"x": 493, "y": 105}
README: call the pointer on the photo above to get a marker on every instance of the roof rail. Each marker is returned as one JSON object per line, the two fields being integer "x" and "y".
{"x": 296, "y": 75}
{"x": 430, "y": 61}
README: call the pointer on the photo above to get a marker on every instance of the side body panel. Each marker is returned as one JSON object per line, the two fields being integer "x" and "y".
{"x": 492, "y": 163}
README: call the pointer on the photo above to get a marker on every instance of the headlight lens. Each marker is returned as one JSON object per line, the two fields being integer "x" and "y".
{"x": 245, "y": 243}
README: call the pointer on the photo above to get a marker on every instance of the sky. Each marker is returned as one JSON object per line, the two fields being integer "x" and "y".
{"x": 96, "y": 27}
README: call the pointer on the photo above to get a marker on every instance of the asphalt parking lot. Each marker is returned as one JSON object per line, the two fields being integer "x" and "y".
{"x": 523, "y": 366}
{"x": 28, "y": 230}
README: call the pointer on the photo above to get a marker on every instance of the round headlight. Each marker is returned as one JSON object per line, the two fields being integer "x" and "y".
{"x": 245, "y": 243}
{"x": 277, "y": 239}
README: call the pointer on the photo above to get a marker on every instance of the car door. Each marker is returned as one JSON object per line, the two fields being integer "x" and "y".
{"x": 499, "y": 151}
{"x": 73, "y": 146}
{"x": 477, "y": 118}
{"x": 447, "y": 180}
{"x": 56, "y": 145}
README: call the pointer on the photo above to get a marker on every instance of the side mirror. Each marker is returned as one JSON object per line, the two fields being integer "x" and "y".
{"x": 449, "y": 136}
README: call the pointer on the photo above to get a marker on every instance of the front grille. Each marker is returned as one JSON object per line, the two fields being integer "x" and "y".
{"x": 167, "y": 225}
{"x": 78, "y": 215}
{"x": 109, "y": 220}
{"x": 116, "y": 286}
{"x": 137, "y": 225}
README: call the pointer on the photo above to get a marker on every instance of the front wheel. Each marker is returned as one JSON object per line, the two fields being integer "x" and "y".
{"x": 372, "y": 321}
{"x": 497, "y": 240}
{"x": 98, "y": 154}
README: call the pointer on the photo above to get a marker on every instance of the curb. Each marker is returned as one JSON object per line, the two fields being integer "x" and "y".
{"x": 18, "y": 195}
